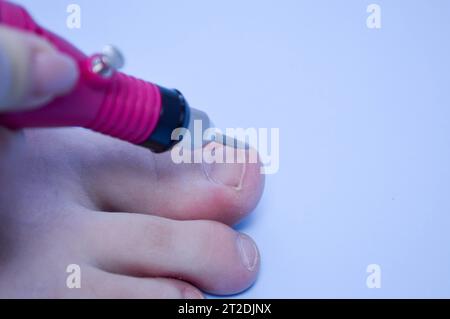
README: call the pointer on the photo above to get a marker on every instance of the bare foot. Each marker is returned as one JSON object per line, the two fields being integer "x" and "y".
{"x": 138, "y": 225}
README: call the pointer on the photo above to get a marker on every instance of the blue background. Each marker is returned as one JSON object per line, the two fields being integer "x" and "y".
{"x": 363, "y": 115}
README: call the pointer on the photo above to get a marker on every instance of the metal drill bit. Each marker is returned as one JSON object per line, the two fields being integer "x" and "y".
{"x": 218, "y": 136}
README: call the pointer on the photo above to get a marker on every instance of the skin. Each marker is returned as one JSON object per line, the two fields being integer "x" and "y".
{"x": 138, "y": 225}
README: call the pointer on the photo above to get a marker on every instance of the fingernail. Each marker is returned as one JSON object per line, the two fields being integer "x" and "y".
{"x": 54, "y": 73}
{"x": 190, "y": 293}
{"x": 230, "y": 170}
{"x": 248, "y": 251}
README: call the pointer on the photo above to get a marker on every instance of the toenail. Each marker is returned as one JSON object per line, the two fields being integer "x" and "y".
{"x": 229, "y": 165}
{"x": 248, "y": 251}
{"x": 190, "y": 293}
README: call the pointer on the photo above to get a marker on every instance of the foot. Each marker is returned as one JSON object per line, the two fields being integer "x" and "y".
{"x": 136, "y": 224}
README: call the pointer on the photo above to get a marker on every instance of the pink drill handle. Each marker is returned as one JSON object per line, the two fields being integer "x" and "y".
{"x": 119, "y": 105}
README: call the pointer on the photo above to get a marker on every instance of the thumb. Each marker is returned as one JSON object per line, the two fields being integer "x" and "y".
{"x": 32, "y": 71}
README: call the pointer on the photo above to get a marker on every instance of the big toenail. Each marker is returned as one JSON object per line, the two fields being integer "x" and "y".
{"x": 226, "y": 165}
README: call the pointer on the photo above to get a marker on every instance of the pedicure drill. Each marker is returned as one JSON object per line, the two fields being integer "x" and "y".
{"x": 104, "y": 99}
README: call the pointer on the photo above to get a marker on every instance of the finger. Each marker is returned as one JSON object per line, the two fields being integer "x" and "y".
{"x": 123, "y": 177}
{"x": 32, "y": 71}
{"x": 210, "y": 255}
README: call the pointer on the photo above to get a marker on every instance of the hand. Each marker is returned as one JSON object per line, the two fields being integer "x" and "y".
{"x": 32, "y": 71}
{"x": 138, "y": 225}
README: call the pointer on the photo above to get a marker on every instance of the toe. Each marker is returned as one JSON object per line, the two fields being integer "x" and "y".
{"x": 207, "y": 254}
{"x": 104, "y": 285}
{"x": 124, "y": 178}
